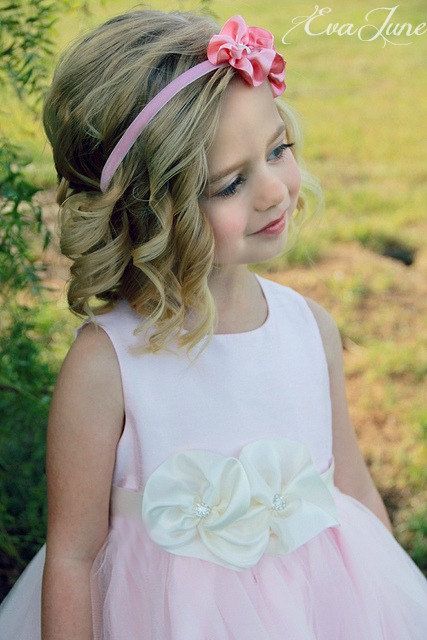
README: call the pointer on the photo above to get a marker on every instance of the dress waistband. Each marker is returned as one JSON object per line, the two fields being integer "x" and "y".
{"x": 128, "y": 502}
{"x": 230, "y": 511}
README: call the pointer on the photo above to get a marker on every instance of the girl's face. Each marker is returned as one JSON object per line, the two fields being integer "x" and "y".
{"x": 264, "y": 182}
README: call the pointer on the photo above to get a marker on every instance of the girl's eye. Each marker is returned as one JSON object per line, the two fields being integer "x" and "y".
{"x": 231, "y": 190}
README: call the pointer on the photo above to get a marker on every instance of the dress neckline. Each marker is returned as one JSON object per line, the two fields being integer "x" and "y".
{"x": 263, "y": 282}
{"x": 242, "y": 335}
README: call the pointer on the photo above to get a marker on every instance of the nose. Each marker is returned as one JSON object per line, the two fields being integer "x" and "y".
{"x": 271, "y": 189}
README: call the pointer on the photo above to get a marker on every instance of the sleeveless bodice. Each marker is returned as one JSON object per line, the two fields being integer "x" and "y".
{"x": 270, "y": 382}
{"x": 225, "y": 521}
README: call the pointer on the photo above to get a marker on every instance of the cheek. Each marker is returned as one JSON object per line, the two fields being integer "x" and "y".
{"x": 229, "y": 226}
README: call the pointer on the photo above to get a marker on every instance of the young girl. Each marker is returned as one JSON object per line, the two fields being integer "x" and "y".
{"x": 221, "y": 496}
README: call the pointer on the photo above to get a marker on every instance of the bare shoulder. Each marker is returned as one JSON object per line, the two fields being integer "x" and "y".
{"x": 93, "y": 337}
{"x": 328, "y": 328}
{"x": 92, "y": 356}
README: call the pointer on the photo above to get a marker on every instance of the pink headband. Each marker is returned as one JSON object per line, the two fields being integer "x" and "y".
{"x": 248, "y": 49}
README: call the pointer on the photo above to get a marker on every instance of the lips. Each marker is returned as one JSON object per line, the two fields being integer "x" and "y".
{"x": 270, "y": 224}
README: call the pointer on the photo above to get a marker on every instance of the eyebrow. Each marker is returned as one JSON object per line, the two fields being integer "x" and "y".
{"x": 222, "y": 174}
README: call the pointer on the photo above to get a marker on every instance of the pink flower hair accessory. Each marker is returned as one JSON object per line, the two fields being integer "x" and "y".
{"x": 249, "y": 50}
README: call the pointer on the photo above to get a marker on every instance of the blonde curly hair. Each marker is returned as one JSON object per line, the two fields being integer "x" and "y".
{"x": 145, "y": 240}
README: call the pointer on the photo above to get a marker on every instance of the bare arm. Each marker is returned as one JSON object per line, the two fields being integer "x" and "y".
{"x": 85, "y": 423}
{"x": 66, "y": 605}
{"x": 352, "y": 475}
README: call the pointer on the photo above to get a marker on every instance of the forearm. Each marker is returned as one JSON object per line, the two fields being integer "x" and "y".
{"x": 66, "y": 604}
{"x": 375, "y": 503}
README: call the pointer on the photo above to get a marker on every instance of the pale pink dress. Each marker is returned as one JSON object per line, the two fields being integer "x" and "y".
{"x": 225, "y": 522}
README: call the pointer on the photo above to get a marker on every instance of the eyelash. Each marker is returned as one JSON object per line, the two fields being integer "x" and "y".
{"x": 231, "y": 189}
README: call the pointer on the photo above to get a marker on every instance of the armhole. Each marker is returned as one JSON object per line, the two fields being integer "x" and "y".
{"x": 325, "y": 362}
{"x": 307, "y": 311}
{"x": 128, "y": 452}
{"x": 318, "y": 333}
{"x": 88, "y": 321}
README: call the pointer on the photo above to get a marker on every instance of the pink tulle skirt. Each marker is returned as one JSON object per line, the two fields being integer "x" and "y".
{"x": 353, "y": 582}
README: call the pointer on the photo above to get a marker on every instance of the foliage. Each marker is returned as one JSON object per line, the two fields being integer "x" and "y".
{"x": 25, "y": 46}
{"x": 26, "y": 378}
{"x": 19, "y": 217}
{"x": 376, "y": 194}
{"x": 26, "y": 384}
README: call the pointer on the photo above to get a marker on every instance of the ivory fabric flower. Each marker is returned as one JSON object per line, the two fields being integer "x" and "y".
{"x": 230, "y": 510}
{"x": 249, "y": 50}
{"x": 283, "y": 479}
{"x": 197, "y": 503}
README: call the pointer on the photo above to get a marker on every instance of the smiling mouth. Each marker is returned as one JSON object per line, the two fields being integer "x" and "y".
{"x": 271, "y": 224}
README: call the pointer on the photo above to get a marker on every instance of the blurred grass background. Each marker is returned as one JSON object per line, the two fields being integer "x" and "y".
{"x": 363, "y": 111}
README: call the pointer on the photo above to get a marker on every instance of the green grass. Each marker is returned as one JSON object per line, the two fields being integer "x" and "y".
{"x": 362, "y": 108}
{"x": 362, "y": 105}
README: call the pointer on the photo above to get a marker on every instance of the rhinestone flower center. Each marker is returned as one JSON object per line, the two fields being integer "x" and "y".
{"x": 279, "y": 502}
{"x": 202, "y": 509}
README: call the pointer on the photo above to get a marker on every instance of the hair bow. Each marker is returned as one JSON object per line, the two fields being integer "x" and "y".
{"x": 250, "y": 51}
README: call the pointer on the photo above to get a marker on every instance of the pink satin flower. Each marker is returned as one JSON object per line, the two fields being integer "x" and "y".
{"x": 249, "y": 50}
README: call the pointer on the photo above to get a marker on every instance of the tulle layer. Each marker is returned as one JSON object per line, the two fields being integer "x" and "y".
{"x": 354, "y": 581}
